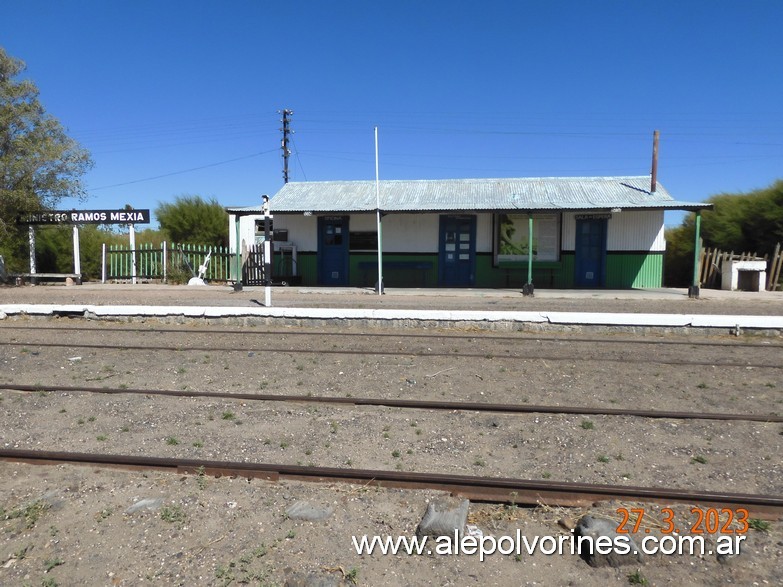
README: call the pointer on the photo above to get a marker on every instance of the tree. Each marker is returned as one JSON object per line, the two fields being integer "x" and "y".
{"x": 751, "y": 222}
{"x": 191, "y": 219}
{"x": 39, "y": 163}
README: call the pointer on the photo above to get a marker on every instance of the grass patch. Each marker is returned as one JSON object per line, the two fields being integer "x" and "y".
{"x": 50, "y": 563}
{"x": 173, "y": 514}
{"x": 30, "y": 513}
{"x": 201, "y": 480}
{"x": 759, "y": 525}
{"x": 637, "y": 578}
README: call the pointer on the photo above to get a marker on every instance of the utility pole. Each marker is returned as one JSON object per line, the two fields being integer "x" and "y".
{"x": 286, "y": 151}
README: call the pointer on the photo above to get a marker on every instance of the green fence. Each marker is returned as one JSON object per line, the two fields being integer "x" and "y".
{"x": 168, "y": 262}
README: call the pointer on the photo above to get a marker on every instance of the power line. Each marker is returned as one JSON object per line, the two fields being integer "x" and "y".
{"x": 104, "y": 187}
{"x": 298, "y": 160}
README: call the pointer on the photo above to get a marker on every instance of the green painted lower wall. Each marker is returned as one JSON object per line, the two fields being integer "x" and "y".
{"x": 556, "y": 274}
{"x": 623, "y": 271}
{"x": 634, "y": 270}
{"x": 399, "y": 270}
{"x": 307, "y": 267}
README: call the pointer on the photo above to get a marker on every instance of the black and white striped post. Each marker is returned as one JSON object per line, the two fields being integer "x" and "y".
{"x": 267, "y": 253}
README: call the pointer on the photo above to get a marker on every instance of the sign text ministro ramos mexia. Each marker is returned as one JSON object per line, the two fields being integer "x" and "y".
{"x": 85, "y": 217}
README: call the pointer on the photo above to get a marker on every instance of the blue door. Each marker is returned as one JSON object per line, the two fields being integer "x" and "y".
{"x": 457, "y": 251}
{"x": 590, "y": 253}
{"x": 333, "y": 250}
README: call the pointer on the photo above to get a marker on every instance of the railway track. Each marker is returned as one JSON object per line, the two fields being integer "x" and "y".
{"x": 407, "y": 404}
{"x": 528, "y": 354}
{"x": 484, "y": 336}
{"x": 469, "y": 347}
{"x": 485, "y": 489}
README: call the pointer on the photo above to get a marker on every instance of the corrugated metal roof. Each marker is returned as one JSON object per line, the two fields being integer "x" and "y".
{"x": 544, "y": 193}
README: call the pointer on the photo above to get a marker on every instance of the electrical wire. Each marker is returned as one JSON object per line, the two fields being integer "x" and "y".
{"x": 104, "y": 187}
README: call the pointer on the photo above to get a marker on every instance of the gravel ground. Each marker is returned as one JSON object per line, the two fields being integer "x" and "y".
{"x": 665, "y": 301}
{"x": 69, "y": 525}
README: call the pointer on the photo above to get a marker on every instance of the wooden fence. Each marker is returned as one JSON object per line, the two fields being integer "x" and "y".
{"x": 711, "y": 264}
{"x": 168, "y": 261}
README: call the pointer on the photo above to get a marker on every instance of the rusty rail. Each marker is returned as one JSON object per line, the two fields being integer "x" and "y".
{"x": 403, "y": 403}
{"x": 528, "y": 356}
{"x": 486, "y": 489}
{"x": 484, "y": 336}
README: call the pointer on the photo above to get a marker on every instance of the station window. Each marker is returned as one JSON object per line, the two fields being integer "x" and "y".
{"x": 260, "y": 226}
{"x": 363, "y": 241}
{"x": 511, "y": 242}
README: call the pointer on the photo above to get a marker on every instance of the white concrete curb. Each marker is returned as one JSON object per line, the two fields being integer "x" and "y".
{"x": 565, "y": 318}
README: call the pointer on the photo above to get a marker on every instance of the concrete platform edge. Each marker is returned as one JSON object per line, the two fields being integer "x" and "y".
{"x": 561, "y": 318}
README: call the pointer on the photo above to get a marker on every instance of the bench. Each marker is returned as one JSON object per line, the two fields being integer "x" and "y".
{"x": 371, "y": 268}
{"x": 34, "y": 278}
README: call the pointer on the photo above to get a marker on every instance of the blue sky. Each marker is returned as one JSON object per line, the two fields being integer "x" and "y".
{"x": 188, "y": 92}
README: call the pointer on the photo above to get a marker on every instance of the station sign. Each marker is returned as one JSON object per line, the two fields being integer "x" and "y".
{"x": 592, "y": 216}
{"x": 85, "y": 217}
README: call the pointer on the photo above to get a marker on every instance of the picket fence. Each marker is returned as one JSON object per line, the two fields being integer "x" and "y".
{"x": 711, "y": 262}
{"x": 162, "y": 262}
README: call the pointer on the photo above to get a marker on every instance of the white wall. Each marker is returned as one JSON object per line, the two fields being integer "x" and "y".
{"x": 402, "y": 233}
{"x": 247, "y": 231}
{"x": 302, "y": 230}
{"x": 629, "y": 230}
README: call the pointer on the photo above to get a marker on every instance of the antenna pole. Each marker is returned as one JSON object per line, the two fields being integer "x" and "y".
{"x": 654, "y": 172}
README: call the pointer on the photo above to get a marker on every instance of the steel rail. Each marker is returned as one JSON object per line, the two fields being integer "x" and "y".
{"x": 408, "y": 404}
{"x": 393, "y": 353}
{"x": 523, "y": 336}
{"x": 487, "y": 489}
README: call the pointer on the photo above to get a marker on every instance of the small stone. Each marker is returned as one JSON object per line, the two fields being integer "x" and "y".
{"x": 444, "y": 517}
{"x": 596, "y": 528}
{"x": 145, "y": 504}
{"x": 567, "y": 523}
{"x": 304, "y": 510}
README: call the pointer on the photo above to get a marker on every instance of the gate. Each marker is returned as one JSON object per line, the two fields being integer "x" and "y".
{"x": 253, "y": 265}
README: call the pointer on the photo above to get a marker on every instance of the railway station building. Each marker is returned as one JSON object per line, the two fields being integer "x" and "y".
{"x": 557, "y": 232}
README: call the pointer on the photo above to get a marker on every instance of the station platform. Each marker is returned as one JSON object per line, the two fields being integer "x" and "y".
{"x": 664, "y": 307}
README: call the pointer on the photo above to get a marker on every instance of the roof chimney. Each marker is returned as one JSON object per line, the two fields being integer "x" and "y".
{"x": 654, "y": 172}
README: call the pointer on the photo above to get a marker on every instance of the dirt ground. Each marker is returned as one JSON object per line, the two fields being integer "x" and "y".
{"x": 68, "y": 525}
{"x": 664, "y": 301}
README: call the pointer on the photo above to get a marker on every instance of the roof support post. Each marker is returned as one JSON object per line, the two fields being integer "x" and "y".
{"x": 693, "y": 290}
{"x": 527, "y": 289}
